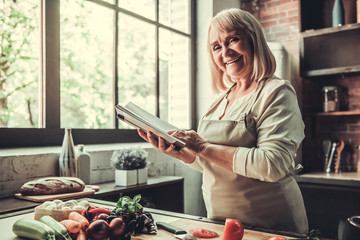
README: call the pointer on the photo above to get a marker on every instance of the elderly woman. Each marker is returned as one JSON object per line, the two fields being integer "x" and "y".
{"x": 246, "y": 143}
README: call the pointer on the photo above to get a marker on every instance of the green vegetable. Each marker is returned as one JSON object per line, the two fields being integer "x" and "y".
{"x": 33, "y": 229}
{"x": 126, "y": 204}
{"x": 61, "y": 232}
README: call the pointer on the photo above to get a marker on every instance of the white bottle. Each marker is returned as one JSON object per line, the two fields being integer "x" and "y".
{"x": 83, "y": 164}
{"x": 67, "y": 159}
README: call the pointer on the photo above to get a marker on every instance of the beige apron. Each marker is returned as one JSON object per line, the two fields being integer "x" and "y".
{"x": 273, "y": 205}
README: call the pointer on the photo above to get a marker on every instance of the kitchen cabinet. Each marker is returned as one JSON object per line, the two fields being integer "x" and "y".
{"x": 330, "y": 198}
{"x": 162, "y": 192}
{"x": 329, "y": 56}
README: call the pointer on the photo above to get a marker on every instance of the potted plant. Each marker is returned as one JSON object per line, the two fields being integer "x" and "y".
{"x": 130, "y": 166}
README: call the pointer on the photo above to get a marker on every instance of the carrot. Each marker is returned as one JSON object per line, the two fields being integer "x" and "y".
{"x": 81, "y": 235}
{"x": 84, "y": 223}
{"x": 71, "y": 225}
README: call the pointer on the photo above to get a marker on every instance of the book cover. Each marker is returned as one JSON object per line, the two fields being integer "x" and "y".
{"x": 140, "y": 118}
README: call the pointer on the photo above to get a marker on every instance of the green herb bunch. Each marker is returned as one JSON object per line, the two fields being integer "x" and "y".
{"x": 126, "y": 204}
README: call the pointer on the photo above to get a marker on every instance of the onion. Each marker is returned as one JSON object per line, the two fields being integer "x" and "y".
{"x": 117, "y": 227}
{"x": 98, "y": 229}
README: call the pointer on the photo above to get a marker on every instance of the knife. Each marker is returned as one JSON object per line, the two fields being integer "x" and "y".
{"x": 179, "y": 233}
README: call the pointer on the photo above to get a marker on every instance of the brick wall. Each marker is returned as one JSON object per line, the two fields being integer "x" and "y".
{"x": 280, "y": 20}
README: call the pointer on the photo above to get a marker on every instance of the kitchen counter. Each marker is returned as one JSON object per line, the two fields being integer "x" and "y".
{"x": 184, "y": 221}
{"x": 347, "y": 179}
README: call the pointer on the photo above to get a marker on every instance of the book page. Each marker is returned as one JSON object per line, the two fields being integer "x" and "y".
{"x": 139, "y": 118}
{"x": 157, "y": 122}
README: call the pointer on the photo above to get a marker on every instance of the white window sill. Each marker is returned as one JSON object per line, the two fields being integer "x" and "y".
{"x": 7, "y": 152}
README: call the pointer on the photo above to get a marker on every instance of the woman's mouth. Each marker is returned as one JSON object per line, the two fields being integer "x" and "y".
{"x": 233, "y": 60}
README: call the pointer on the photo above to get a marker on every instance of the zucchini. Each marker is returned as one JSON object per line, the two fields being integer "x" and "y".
{"x": 33, "y": 229}
{"x": 61, "y": 233}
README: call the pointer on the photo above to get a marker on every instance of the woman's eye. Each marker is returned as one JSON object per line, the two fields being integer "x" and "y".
{"x": 216, "y": 47}
{"x": 233, "y": 40}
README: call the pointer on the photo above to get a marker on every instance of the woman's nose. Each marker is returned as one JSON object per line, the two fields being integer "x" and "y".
{"x": 226, "y": 51}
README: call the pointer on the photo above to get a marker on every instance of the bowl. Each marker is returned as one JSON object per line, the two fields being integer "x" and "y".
{"x": 57, "y": 214}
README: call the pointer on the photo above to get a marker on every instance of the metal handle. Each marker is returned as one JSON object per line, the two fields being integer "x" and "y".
{"x": 351, "y": 221}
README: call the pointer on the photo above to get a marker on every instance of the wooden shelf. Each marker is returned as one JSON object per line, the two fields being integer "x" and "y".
{"x": 330, "y": 51}
{"x": 330, "y": 30}
{"x": 332, "y": 71}
{"x": 338, "y": 113}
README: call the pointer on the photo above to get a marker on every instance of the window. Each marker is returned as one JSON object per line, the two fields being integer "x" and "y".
{"x": 65, "y": 64}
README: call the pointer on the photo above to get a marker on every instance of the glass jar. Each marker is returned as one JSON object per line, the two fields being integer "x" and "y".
{"x": 330, "y": 98}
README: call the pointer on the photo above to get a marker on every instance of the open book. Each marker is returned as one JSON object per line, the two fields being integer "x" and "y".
{"x": 139, "y": 118}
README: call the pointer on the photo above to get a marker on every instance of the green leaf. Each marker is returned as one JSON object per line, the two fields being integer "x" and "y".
{"x": 137, "y": 198}
{"x": 126, "y": 204}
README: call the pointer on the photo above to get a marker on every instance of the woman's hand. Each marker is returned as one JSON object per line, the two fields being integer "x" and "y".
{"x": 160, "y": 145}
{"x": 193, "y": 141}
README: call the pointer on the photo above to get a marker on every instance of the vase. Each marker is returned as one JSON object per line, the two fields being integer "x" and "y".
{"x": 67, "y": 159}
{"x": 125, "y": 177}
{"x": 338, "y": 13}
{"x": 142, "y": 175}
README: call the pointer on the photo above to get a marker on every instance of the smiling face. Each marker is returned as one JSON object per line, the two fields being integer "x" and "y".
{"x": 231, "y": 52}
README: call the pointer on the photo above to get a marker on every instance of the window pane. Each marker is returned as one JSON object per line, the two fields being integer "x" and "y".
{"x": 136, "y": 63}
{"x": 175, "y": 13}
{"x": 145, "y": 8}
{"x": 86, "y": 77}
{"x": 19, "y": 64}
{"x": 174, "y": 78}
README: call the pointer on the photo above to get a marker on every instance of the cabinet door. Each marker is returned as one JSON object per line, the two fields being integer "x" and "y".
{"x": 326, "y": 205}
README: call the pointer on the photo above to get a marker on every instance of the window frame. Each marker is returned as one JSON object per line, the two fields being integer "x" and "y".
{"x": 50, "y": 133}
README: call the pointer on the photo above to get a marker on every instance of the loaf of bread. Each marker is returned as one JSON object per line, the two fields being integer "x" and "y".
{"x": 52, "y": 185}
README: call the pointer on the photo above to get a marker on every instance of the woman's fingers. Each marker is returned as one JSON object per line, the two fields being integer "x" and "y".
{"x": 162, "y": 144}
{"x": 153, "y": 139}
{"x": 142, "y": 134}
{"x": 158, "y": 143}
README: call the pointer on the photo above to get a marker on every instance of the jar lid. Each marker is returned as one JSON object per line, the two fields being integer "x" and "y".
{"x": 329, "y": 88}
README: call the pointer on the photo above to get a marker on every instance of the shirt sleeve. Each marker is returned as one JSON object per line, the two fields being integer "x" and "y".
{"x": 195, "y": 165}
{"x": 279, "y": 132}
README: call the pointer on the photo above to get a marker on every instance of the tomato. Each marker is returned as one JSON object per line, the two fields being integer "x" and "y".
{"x": 97, "y": 211}
{"x": 277, "y": 238}
{"x": 233, "y": 230}
{"x": 203, "y": 233}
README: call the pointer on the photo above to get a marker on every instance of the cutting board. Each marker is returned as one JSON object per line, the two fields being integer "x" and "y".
{"x": 187, "y": 224}
{"x": 88, "y": 190}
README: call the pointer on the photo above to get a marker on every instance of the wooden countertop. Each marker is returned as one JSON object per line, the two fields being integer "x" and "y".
{"x": 184, "y": 221}
{"x": 351, "y": 179}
